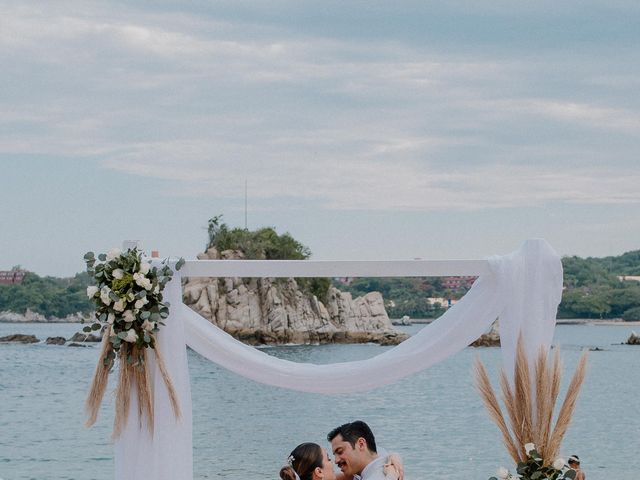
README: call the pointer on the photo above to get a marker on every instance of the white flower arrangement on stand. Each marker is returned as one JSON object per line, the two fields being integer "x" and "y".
{"x": 129, "y": 311}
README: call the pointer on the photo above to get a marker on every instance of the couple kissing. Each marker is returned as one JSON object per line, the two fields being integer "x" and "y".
{"x": 354, "y": 448}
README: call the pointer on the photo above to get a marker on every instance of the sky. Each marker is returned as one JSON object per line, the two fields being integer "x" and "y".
{"x": 368, "y": 130}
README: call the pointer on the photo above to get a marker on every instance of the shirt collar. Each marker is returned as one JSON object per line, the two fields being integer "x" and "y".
{"x": 369, "y": 468}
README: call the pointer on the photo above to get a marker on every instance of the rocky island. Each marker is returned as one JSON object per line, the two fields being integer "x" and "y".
{"x": 277, "y": 311}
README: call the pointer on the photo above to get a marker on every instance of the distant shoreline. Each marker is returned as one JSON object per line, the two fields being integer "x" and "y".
{"x": 559, "y": 321}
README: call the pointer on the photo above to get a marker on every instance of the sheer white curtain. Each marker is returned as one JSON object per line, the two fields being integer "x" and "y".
{"x": 523, "y": 290}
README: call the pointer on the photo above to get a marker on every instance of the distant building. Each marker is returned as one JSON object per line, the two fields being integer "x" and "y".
{"x": 454, "y": 283}
{"x": 11, "y": 277}
{"x": 629, "y": 278}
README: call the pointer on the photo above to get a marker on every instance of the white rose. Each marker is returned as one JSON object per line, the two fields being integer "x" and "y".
{"x": 559, "y": 463}
{"x": 148, "y": 326}
{"x": 110, "y": 318}
{"x": 118, "y": 273}
{"x": 92, "y": 290}
{"x": 528, "y": 447}
{"x": 119, "y": 306}
{"x": 113, "y": 253}
{"x": 502, "y": 473}
{"x": 141, "y": 303}
{"x": 144, "y": 268}
{"x": 104, "y": 296}
{"x": 128, "y": 316}
{"x": 132, "y": 336}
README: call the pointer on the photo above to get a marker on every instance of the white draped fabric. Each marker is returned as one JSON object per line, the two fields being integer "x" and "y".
{"x": 523, "y": 289}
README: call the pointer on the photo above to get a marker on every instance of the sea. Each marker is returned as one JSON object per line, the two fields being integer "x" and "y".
{"x": 434, "y": 419}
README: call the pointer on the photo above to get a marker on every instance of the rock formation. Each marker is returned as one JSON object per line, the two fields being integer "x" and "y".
{"x": 489, "y": 339}
{"x": 634, "y": 339}
{"x": 277, "y": 311}
{"x": 20, "y": 338}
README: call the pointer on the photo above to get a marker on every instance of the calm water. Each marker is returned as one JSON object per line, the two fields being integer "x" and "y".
{"x": 245, "y": 430}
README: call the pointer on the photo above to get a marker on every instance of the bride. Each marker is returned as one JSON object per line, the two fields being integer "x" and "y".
{"x": 309, "y": 461}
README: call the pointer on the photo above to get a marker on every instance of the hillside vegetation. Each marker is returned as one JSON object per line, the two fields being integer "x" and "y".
{"x": 592, "y": 286}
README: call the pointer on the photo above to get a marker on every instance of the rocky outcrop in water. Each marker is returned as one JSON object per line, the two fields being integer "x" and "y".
{"x": 489, "y": 339}
{"x": 19, "y": 338}
{"x": 634, "y": 339}
{"x": 277, "y": 311}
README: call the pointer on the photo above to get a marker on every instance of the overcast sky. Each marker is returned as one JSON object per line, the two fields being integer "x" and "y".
{"x": 368, "y": 130}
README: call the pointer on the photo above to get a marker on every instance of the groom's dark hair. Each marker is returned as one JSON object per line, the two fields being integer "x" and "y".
{"x": 351, "y": 432}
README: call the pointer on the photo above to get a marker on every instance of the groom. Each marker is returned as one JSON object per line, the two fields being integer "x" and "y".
{"x": 354, "y": 448}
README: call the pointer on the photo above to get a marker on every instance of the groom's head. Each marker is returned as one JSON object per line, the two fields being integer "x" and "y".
{"x": 353, "y": 446}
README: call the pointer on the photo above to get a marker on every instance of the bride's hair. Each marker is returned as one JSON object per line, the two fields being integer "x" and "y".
{"x": 304, "y": 459}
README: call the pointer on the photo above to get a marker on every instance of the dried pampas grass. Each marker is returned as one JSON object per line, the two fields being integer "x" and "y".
{"x": 133, "y": 374}
{"x": 530, "y": 403}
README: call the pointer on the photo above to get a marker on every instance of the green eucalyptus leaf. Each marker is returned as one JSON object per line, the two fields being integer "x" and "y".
{"x": 180, "y": 263}
{"x": 122, "y": 335}
{"x": 96, "y": 326}
{"x": 87, "y": 329}
{"x": 145, "y": 315}
{"x": 102, "y": 257}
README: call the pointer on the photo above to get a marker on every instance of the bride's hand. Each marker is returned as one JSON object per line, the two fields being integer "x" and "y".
{"x": 394, "y": 468}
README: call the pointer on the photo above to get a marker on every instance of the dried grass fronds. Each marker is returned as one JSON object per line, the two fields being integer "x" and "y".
{"x": 568, "y": 406}
{"x": 99, "y": 384}
{"x": 173, "y": 396}
{"x": 488, "y": 396}
{"x": 125, "y": 378}
{"x": 530, "y": 403}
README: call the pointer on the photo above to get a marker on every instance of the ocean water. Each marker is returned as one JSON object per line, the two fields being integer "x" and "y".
{"x": 434, "y": 418}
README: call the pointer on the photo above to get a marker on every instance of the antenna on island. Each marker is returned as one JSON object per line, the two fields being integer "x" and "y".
{"x": 245, "y": 204}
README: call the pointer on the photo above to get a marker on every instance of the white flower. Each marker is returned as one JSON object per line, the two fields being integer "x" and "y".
{"x": 148, "y": 326}
{"x": 110, "y": 318}
{"x": 528, "y": 447}
{"x": 119, "y": 305}
{"x": 132, "y": 336}
{"x": 113, "y": 253}
{"x": 502, "y": 473}
{"x": 559, "y": 463}
{"x": 144, "y": 268}
{"x": 142, "y": 281}
{"x": 118, "y": 273}
{"x": 141, "y": 303}
{"x": 104, "y": 295}
{"x": 128, "y": 316}
{"x": 92, "y": 290}
{"x": 156, "y": 290}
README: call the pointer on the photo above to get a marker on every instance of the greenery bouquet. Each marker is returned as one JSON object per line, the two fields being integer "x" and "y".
{"x": 129, "y": 310}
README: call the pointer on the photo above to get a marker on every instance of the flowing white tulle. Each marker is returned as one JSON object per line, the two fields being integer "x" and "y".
{"x": 523, "y": 290}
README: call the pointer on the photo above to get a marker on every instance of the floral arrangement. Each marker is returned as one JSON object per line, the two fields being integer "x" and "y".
{"x": 129, "y": 311}
{"x": 128, "y": 298}
{"x": 533, "y": 468}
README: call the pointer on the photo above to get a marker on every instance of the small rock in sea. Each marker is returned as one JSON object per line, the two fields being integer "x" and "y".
{"x": 85, "y": 337}
{"x": 20, "y": 338}
{"x": 491, "y": 339}
{"x": 596, "y": 349}
{"x": 634, "y": 339}
{"x": 55, "y": 341}
{"x": 75, "y": 345}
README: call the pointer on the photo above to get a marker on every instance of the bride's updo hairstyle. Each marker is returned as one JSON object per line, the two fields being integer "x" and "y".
{"x": 304, "y": 459}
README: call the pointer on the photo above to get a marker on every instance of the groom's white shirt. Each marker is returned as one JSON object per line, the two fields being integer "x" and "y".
{"x": 373, "y": 471}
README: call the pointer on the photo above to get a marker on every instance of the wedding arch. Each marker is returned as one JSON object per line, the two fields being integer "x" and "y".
{"x": 522, "y": 289}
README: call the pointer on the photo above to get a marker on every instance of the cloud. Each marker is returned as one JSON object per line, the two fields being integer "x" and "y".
{"x": 344, "y": 123}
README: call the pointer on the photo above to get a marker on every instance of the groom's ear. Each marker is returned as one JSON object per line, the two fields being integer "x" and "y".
{"x": 361, "y": 443}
